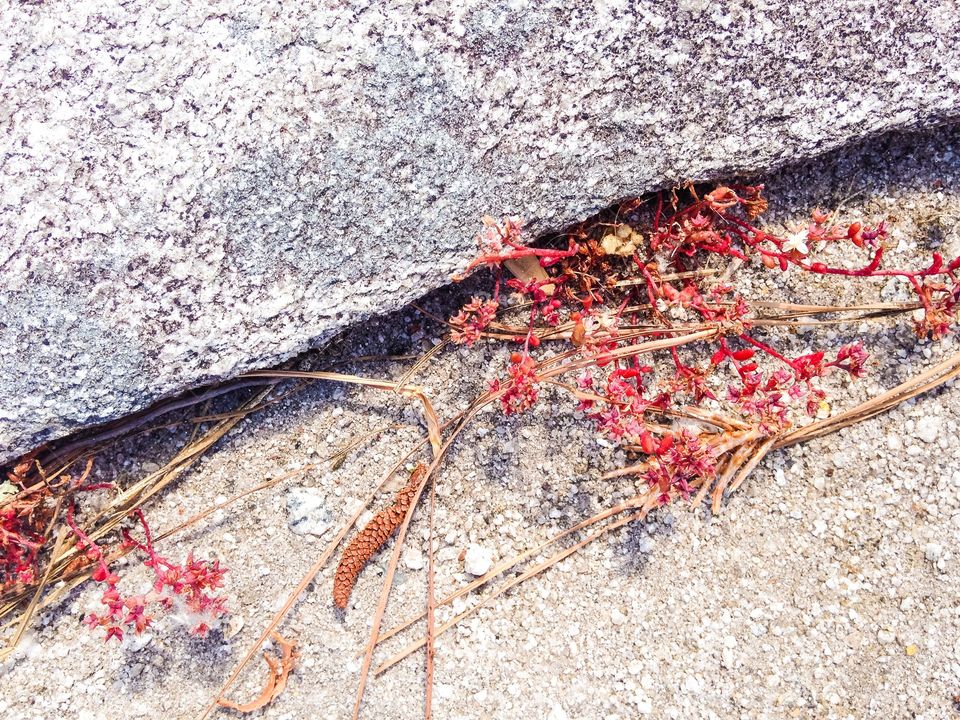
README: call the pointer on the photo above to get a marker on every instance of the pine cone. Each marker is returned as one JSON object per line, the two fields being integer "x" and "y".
{"x": 373, "y": 537}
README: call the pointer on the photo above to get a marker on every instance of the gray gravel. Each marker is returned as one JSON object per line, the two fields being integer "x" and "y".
{"x": 826, "y": 588}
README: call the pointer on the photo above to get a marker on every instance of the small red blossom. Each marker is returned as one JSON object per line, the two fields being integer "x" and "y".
{"x": 523, "y": 389}
{"x": 852, "y": 358}
{"x": 680, "y": 459}
{"x": 472, "y": 320}
{"x": 809, "y": 366}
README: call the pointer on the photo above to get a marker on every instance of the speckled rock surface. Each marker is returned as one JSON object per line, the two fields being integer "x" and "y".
{"x": 191, "y": 189}
{"x": 826, "y": 589}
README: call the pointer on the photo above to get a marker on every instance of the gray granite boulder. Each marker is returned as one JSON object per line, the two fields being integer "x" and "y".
{"x": 191, "y": 189}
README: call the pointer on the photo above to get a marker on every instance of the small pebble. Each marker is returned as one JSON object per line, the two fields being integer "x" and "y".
{"x": 644, "y": 704}
{"x": 478, "y": 560}
{"x": 933, "y": 551}
{"x": 928, "y": 427}
{"x": 413, "y": 559}
{"x": 307, "y": 513}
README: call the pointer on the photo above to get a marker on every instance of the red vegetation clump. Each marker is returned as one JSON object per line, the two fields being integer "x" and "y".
{"x": 662, "y": 276}
{"x": 180, "y": 588}
{"x": 25, "y": 524}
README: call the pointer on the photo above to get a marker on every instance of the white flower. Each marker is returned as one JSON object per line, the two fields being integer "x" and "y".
{"x": 798, "y": 242}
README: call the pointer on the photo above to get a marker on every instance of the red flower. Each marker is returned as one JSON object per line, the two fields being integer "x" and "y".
{"x": 523, "y": 390}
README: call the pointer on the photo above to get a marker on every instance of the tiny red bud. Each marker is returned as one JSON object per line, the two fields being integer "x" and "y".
{"x": 534, "y": 341}
{"x": 749, "y": 367}
{"x": 646, "y": 443}
{"x": 854, "y": 230}
{"x": 515, "y": 357}
{"x": 745, "y": 354}
{"x": 665, "y": 444}
{"x": 718, "y": 357}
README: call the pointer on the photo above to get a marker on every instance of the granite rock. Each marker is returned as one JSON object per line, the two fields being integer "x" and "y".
{"x": 191, "y": 189}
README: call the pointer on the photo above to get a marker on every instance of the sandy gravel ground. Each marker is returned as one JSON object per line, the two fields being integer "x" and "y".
{"x": 826, "y": 588}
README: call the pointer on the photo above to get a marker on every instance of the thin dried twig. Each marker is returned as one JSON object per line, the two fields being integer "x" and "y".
{"x": 433, "y": 423}
{"x": 431, "y": 606}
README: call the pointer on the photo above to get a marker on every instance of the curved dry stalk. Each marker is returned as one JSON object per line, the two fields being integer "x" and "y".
{"x": 433, "y": 423}
{"x": 461, "y": 423}
{"x": 278, "y": 670}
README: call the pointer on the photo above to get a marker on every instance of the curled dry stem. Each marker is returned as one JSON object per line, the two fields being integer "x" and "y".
{"x": 279, "y": 669}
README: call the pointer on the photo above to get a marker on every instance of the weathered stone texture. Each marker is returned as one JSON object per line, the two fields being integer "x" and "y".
{"x": 191, "y": 189}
